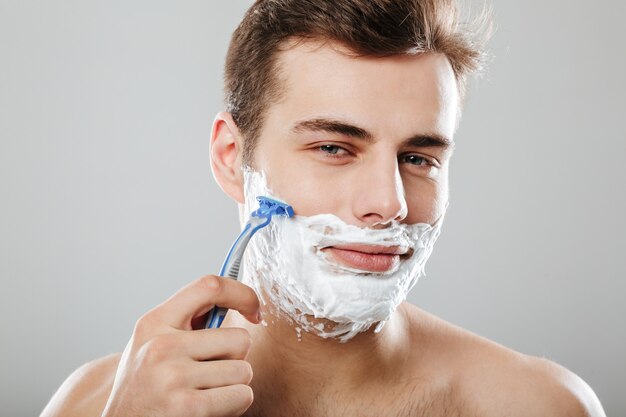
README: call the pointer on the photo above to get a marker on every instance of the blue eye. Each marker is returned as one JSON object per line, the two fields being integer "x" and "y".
{"x": 330, "y": 149}
{"x": 415, "y": 160}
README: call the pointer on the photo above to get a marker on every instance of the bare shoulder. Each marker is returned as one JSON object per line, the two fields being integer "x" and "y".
{"x": 85, "y": 392}
{"x": 563, "y": 387}
{"x": 490, "y": 379}
{"x": 524, "y": 385}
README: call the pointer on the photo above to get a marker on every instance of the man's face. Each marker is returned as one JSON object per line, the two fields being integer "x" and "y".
{"x": 361, "y": 138}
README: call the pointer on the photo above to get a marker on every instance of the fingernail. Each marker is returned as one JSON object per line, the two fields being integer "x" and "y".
{"x": 259, "y": 316}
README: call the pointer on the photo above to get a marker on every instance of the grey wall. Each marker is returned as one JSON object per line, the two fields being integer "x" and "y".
{"x": 108, "y": 205}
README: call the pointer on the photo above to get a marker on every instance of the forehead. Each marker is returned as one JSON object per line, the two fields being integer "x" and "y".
{"x": 394, "y": 95}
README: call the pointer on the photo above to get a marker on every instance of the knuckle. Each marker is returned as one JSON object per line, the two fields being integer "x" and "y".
{"x": 245, "y": 396}
{"x": 143, "y": 326}
{"x": 252, "y": 295}
{"x": 244, "y": 371}
{"x": 239, "y": 397}
{"x": 243, "y": 337}
{"x": 236, "y": 398}
{"x": 172, "y": 377}
{"x": 154, "y": 350}
{"x": 242, "y": 341}
{"x": 212, "y": 283}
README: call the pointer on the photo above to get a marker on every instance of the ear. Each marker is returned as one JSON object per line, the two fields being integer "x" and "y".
{"x": 226, "y": 153}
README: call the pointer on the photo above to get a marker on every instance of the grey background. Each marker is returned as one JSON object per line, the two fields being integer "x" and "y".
{"x": 108, "y": 205}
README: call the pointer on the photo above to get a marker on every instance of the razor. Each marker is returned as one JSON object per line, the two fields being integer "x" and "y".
{"x": 259, "y": 218}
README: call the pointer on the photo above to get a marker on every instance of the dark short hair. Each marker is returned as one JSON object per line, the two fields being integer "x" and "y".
{"x": 376, "y": 28}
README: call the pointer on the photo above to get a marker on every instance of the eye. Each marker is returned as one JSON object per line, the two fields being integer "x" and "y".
{"x": 333, "y": 150}
{"x": 415, "y": 160}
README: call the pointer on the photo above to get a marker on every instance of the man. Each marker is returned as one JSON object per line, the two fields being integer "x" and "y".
{"x": 347, "y": 108}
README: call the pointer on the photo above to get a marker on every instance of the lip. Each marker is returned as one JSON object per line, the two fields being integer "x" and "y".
{"x": 367, "y": 257}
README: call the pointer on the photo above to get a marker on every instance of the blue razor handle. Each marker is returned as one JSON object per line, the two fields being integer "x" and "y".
{"x": 231, "y": 267}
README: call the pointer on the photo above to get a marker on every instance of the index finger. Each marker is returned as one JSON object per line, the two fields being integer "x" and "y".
{"x": 202, "y": 295}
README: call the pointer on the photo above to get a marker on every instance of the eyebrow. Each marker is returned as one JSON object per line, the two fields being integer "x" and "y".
{"x": 333, "y": 126}
{"x": 347, "y": 129}
{"x": 429, "y": 140}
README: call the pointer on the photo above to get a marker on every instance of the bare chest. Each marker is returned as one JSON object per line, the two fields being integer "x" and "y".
{"x": 408, "y": 402}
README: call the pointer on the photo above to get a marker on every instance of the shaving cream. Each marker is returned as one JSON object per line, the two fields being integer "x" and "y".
{"x": 299, "y": 282}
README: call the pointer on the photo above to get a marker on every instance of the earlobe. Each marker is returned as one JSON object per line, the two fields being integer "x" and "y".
{"x": 226, "y": 142}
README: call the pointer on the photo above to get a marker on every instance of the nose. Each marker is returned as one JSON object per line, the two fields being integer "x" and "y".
{"x": 379, "y": 193}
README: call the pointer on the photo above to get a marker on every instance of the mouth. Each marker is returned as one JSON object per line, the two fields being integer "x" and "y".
{"x": 368, "y": 257}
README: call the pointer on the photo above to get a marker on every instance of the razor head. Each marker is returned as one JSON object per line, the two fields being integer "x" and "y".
{"x": 269, "y": 207}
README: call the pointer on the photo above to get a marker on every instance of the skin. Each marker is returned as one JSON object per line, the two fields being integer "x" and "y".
{"x": 418, "y": 364}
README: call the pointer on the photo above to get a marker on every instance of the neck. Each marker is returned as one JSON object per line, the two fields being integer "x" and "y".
{"x": 296, "y": 363}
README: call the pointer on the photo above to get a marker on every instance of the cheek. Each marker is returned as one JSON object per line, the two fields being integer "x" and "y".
{"x": 426, "y": 199}
{"x": 307, "y": 190}
{"x": 308, "y": 194}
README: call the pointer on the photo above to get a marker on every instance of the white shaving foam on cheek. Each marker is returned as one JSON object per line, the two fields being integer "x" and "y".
{"x": 285, "y": 264}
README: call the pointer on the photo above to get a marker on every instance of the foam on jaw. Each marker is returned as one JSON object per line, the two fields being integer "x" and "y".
{"x": 286, "y": 266}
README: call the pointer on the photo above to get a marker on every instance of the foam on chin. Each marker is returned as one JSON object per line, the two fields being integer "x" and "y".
{"x": 284, "y": 263}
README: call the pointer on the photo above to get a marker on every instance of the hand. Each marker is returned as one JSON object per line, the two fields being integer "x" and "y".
{"x": 171, "y": 369}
